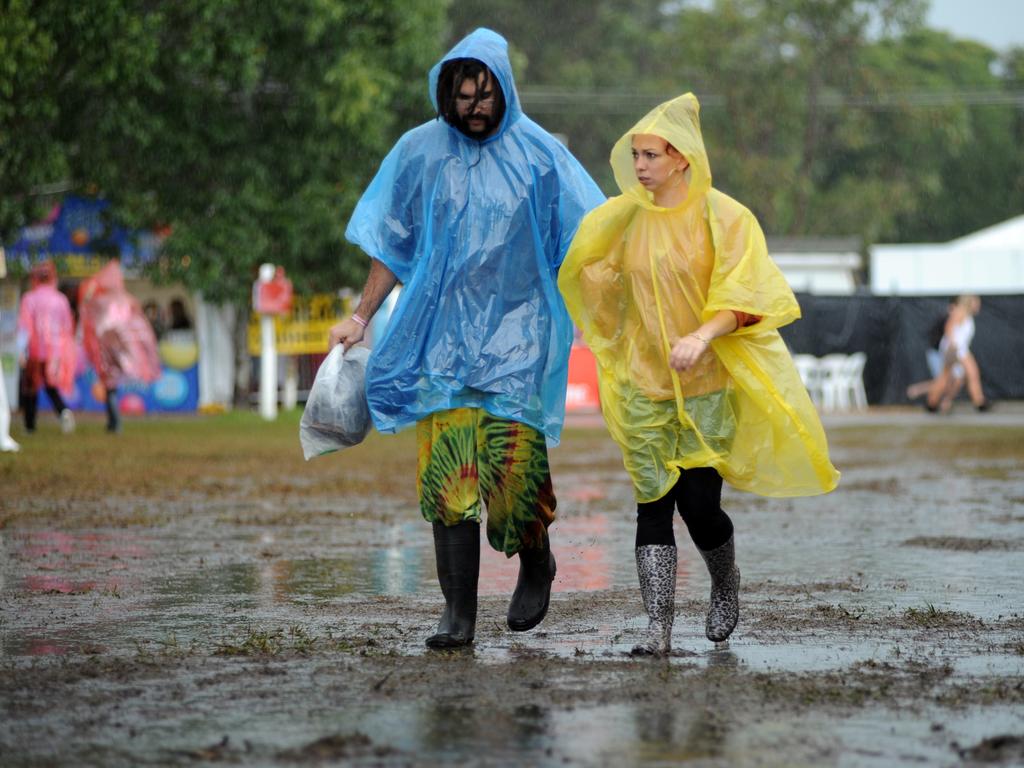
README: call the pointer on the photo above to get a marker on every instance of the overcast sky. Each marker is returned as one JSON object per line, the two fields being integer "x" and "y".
{"x": 997, "y": 23}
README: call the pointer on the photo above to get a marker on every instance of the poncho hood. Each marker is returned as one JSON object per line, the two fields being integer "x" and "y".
{"x": 489, "y": 47}
{"x": 677, "y": 122}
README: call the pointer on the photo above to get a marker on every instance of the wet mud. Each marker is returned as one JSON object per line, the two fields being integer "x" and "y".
{"x": 195, "y": 593}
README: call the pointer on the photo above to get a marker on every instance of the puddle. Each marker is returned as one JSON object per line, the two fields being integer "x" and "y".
{"x": 881, "y": 625}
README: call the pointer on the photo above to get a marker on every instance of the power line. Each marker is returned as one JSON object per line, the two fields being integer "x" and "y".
{"x": 549, "y": 100}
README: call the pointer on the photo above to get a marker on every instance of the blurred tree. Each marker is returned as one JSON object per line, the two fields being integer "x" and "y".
{"x": 247, "y": 130}
{"x": 824, "y": 116}
{"x": 790, "y": 77}
{"x": 970, "y": 161}
{"x": 611, "y": 51}
{"x": 62, "y": 70}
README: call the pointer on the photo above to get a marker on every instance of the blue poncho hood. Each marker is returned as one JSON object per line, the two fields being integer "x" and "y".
{"x": 490, "y": 48}
{"x": 475, "y": 230}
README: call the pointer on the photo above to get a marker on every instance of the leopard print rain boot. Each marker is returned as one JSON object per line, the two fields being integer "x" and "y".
{"x": 656, "y": 568}
{"x": 724, "y": 611}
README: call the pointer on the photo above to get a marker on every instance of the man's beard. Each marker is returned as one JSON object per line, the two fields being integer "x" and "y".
{"x": 490, "y": 122}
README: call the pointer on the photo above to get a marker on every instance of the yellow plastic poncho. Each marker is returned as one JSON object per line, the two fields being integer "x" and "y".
{"x": 637, "y": 277}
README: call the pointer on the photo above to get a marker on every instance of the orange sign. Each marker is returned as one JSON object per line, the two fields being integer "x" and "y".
{"x": 581, "y": 394}
{"x": 273, "y": 297}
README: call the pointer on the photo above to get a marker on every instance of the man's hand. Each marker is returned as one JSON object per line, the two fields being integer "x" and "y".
{"x": 347, "y": 332}
{"x": 686, "y": 352}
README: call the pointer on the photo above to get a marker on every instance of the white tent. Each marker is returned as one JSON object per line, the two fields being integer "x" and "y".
{"x": 827, "y": 266}
{"x": 990, "y": 261}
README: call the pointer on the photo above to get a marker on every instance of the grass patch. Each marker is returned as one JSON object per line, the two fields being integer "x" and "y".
{"x": 930, "y": 617}
{"x": 273, "y": 642}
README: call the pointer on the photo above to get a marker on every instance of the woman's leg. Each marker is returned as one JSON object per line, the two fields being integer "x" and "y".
{"x": 973, "y": 376}
{"x": 699, "y": 497}
{"x": 656, "y": 561}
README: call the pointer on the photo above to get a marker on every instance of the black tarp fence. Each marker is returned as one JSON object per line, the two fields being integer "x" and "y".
{"x": 893, "y": 331}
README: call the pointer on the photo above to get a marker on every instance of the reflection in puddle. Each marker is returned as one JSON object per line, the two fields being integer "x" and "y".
{"x": 82, "y": 547}
{"x": 439, "y": 732}
{"x": 139, "y": 591}
{"x": 64, "y": 586}
{"x": 589, "y": 559}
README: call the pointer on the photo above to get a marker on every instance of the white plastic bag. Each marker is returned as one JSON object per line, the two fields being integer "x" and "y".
{"x": 336, "y": 414}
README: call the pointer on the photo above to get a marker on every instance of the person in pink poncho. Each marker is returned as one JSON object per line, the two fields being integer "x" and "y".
{"x": 118, "y": 339}
{"x": 46, "y": 346}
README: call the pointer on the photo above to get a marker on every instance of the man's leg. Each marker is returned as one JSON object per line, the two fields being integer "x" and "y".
{"x": 515, "y": 482}
{"x": 450, "y": 501}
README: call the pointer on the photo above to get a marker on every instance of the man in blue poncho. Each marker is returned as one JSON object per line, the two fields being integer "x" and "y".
{"x": 473, "y": 213}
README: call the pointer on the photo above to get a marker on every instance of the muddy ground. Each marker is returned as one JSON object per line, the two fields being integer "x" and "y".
{"x": 191, "y": 592}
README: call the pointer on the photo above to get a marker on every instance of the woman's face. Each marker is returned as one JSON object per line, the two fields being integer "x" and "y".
{"x": 657, "y": 165}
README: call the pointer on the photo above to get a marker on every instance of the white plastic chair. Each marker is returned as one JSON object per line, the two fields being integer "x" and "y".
{"x": 842, "y": 382}
{"x": 835, "y": 390}
{"x": 854, "y": 380}
{"x": 809, "y": 369}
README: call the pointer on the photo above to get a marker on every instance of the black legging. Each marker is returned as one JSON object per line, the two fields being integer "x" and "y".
{"x": 31, "y": 404}
{"x": 698, "y": 496}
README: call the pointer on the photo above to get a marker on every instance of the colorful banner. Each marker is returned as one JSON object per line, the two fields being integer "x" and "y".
{"x": 176, "y": 391}
{"x": 80, "y": 237}
{"x": 305, "y": 330}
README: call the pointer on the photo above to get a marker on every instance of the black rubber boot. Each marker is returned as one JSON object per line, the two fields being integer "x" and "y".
{"x": 457, "y": 549}
{"x": 530, "y": 601}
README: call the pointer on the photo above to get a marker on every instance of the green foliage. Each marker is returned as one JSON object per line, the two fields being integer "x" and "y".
{"x": 825, "y": 117}
{"x": 248, "y": 129}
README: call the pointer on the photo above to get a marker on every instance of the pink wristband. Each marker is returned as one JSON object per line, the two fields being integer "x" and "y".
{"x": 359, "y": 320}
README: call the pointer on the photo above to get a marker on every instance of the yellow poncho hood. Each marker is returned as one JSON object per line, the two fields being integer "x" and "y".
{"x": 639, "y": 276}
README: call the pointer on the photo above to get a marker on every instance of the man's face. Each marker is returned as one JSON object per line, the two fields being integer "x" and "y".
{"x": 474, "y": 104}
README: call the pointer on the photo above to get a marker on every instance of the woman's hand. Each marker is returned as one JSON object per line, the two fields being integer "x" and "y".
{"x": 687, "y": 351}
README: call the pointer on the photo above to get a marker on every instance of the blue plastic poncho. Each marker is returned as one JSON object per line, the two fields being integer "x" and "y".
{"x": 475, "y": 231}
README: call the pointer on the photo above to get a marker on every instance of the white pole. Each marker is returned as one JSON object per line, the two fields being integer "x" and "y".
{"x": 290, "y": 393}
{"x": 268, "y": 368}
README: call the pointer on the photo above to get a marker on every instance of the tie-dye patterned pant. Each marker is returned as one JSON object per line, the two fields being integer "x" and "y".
{"x": 469, "y": 459}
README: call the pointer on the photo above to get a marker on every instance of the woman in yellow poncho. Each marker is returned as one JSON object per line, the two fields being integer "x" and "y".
{"x": 676, "y": 296}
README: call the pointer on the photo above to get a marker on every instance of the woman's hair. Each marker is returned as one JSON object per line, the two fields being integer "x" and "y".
{"x": 969, "y": 302}
{"x": 454, "y": 73}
